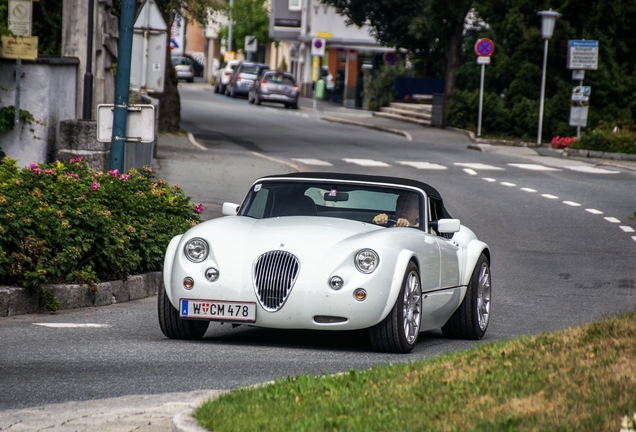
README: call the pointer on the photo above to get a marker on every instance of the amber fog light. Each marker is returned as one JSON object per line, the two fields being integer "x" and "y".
{"x": 360, "y": 294}
{"x": 188, "y": 283}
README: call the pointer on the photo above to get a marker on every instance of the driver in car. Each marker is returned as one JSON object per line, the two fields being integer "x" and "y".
{"x": 406, "y": 212}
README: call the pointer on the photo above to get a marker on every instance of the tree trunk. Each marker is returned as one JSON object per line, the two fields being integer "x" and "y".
{"x": 452, "y": 63}
{"x": 169, "y": 100}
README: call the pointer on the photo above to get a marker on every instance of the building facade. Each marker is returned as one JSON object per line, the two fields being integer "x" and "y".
{"x": 351, "y": 54}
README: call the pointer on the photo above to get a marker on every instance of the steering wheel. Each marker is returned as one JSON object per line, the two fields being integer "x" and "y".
{"x": 391, "y": 222}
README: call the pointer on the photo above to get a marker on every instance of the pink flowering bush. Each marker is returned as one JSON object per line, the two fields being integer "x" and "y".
{"x": 561, "y": 142}
{"x": 66, "y": 223}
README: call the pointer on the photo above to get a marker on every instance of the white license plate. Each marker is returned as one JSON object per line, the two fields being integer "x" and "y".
{"x": 218, "y": 310}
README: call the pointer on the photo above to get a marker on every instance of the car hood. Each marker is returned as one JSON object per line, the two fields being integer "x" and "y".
{"x": 302, "y": 235}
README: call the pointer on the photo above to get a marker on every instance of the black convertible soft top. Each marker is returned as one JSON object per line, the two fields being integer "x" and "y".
{"x": 398, "y": 181}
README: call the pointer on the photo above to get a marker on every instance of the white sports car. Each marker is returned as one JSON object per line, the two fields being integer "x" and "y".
{"x": 303, "y": 252}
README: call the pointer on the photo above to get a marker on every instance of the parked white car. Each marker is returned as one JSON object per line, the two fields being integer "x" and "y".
{"x": 327, "y": 251}
{"x": 223, "y": 74}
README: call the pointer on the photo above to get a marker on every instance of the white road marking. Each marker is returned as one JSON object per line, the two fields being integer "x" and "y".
{"x": 528, "y": 190}
{"x": 508, "y": 184}
{"x": 534, "y": 167}
{"x": 594, "y": 211}
{"x": 490, "y": 180}
{"x": 71, "y": 325}
{"x": 634, "y": 238}
{"x": 470, "y": 171}
{"x": 548, "y": 196}
{"x": 367, "y": 162}
{"x": 572, "y": 203}
{"x": 479, "y": 166}
{"x": 316, "y": 162}
{"x": 423, "y": 165}
{"x": 591, "y": 170}
{"x": 626, "y": 228}
{"x": 612, "y": 220}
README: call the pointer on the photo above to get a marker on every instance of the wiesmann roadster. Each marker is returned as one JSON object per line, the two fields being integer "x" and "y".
{"x": 329, "y": 251}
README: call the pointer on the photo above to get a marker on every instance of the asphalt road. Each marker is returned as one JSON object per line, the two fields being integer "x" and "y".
{"x": 560, "y": 259}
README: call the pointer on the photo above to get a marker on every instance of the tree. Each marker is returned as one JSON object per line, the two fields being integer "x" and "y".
{"x": 250, "y": 18}
{"x": 428, "y": 29}
{"x": 169, "y": 100}
{"x": 511, "y": 99}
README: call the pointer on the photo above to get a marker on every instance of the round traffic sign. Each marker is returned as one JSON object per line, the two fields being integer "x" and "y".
{"x": 484, "y": 47}
{"x": 318, "y": 44}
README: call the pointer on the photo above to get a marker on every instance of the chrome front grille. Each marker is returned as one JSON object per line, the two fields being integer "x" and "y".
{"x": 275, "y": 273}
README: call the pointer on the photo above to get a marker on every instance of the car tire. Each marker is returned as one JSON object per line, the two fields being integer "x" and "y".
{"x": 470, "y": 320}
{"x": 232, "y": 92}
{"x": 257, "y": 100}
{"x": 222, "y": 89}
{"x": 172, "y": 325}
{"x": 399, "y": 331}
{"x": 216, "y": 88}
{"x": 294, "y": 106}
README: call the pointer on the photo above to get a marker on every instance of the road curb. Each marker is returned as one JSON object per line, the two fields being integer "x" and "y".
{"x": 369, "y": 126}
{"x": 21, "y": 301}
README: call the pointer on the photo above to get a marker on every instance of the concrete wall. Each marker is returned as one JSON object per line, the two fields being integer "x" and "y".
{"x": 47, "y": 91}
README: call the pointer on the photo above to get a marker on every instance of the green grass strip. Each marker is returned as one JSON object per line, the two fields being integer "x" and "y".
{"x": 580, "y": 379}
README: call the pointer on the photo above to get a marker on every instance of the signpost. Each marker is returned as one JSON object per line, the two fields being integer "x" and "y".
{"x": 582, "y": 56}
{"x": 147, "y": 69}
{"x": 484, "y": 49}
{"x": 317, "y": 51}
{"x": 251, "y": 46}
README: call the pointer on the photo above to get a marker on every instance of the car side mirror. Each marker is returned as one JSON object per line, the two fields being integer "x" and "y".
{"x": 446, "y": 226}
{"x": 230, "y": 209}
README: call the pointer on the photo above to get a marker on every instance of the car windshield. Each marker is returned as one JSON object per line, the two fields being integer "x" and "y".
{"x": 254, "y": 70}
{"x": 359, "y": 202}
{"x": 279, "y": 79}
{"x": 178, "y": 61}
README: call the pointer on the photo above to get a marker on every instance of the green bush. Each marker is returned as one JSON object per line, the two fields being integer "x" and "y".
{"x": 604, "y": 138}
{"x": 382, "y": 88}
{"x": 66, "y": 223}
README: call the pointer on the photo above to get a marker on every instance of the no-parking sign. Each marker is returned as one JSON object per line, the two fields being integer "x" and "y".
{"x": 318, "y": 47}
{"x": 484, "y": 47}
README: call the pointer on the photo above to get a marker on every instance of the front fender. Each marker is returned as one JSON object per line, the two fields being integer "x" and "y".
{"x": 171, "y": 252}
{"x": 473, "y": 252}
{"x": 398, "y": 276}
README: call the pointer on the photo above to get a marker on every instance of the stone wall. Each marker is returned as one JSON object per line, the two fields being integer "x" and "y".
{"x": 47, "y": 91}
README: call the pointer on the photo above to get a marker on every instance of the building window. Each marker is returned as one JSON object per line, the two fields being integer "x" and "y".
{"x": 295, "y": 5}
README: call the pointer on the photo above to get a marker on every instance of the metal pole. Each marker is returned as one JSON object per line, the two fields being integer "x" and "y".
{"x": 545, "y": 61}
{"x": 120, "y": 115}
{"x": 578, "y": 127}
{"x": 18, "y": 76}
{"x": 229, "y": 30}
{"x": 87, "y": 107}
{"x": 481, "y": 98}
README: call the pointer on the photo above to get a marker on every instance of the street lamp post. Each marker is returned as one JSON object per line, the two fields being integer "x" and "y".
{"x": 548, "y": 18}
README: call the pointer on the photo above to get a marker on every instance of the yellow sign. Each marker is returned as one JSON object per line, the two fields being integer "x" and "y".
{"x": 229, "y": 55}
{"x": 21, "y": 47}
{"x": 326, "y": 35}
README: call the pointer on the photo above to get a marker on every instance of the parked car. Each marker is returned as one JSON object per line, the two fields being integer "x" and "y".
{"x": 272, "y": 86}
{"x": 183, "y": 67}
{"x": 223, "y": 74}
{"x": 196, "y": 64}
{"x": 328, "y": 251}
{"x": 243, "y": 77}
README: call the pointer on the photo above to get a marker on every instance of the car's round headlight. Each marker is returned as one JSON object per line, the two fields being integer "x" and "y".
{"x": 336, "y": 282}
{"x": 196, "y": 250}
{"x": 367, "y": 261}
{"x": 212, "y": 274}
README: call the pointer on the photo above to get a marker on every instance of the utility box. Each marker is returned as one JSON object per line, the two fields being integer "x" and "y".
{"x": 320, "y": 89}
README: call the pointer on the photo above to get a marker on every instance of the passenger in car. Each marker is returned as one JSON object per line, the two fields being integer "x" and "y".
{"x": 406, "y": 212}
